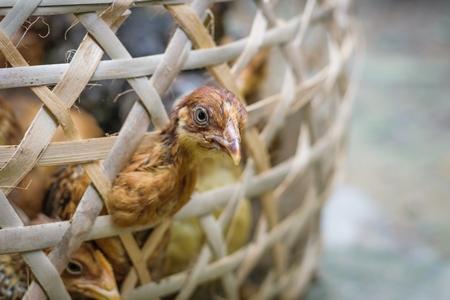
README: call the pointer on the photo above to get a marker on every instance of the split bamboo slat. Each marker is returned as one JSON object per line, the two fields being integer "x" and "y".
{"x": 316, "y": 160}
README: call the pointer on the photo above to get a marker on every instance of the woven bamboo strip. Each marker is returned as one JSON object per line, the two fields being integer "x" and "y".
{"x": 299, "y": 279}
{"x": 216, "y": 241}
{"x": 43, "y": 127}
{"x": 136, "y": 257}
{"x": 11, "y": 23}
{"x": 54, "y": 7}
{"x": 287, "y": 96}
{"x": 150, "y": 245}
{"x": 274, "y": 288}
{"x": 19, "y": 13}
{"x": 145, "y": 66}
{"x": 300, "y": 158}
{"x": 287, "y": 50}
{"x": 255, "y": 42}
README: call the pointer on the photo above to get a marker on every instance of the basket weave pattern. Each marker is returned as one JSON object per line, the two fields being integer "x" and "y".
{"x": 303, "y": 90}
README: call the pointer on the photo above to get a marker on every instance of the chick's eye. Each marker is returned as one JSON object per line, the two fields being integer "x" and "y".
{"x": 74, "y": 268}
{"x": 201, "y": 116}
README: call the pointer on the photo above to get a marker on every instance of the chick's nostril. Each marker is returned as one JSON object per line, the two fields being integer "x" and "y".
{"x": 231, "y": 134}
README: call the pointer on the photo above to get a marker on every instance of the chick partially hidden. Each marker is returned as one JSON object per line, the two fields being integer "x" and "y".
{"x": 87, "y": 275}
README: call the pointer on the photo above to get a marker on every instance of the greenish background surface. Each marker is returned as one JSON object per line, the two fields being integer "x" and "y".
{"x": 387, "y": 229}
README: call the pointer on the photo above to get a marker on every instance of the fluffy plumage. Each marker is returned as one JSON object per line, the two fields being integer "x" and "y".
{"x": 156, "y": 184}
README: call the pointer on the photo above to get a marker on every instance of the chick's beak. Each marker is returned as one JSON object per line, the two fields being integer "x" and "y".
{"x": 230, "y": 142}
{"x": 98, "y": 293}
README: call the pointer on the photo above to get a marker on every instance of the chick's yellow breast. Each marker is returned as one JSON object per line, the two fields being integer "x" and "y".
{"x": 187, "y": 236}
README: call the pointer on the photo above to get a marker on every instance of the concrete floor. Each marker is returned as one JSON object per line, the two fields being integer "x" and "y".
{"x": 387, "y": 229}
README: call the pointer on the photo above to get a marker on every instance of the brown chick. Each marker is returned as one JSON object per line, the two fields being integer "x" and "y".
{"x": 155, "y": 184}
{"x": 87, "y": 275}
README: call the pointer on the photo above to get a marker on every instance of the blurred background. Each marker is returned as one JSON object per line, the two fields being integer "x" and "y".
{"x": 387, "y": 228}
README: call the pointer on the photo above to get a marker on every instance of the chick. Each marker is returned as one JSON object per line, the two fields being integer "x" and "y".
{"x": 87, "y": 275}
{"x": 155, "y": 184}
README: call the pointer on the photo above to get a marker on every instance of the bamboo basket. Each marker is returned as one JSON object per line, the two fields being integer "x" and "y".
{"x": 316, "y": 95}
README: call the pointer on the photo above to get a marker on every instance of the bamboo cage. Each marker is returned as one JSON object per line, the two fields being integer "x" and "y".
{"x": 284, "y": 246}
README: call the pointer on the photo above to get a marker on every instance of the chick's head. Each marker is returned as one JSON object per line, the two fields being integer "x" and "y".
{"x": 210, "y": 120}
{"x": 88, "y": 274}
